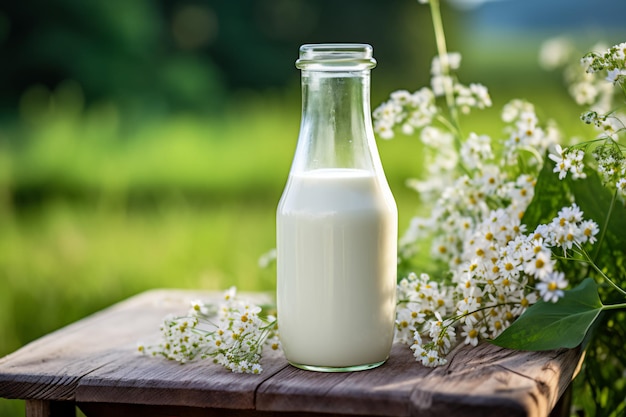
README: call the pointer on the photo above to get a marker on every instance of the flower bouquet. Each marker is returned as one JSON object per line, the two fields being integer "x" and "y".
{"x": 527, "y": 234}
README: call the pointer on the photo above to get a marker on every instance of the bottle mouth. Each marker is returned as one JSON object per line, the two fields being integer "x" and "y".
{"x": 336, "y": 57}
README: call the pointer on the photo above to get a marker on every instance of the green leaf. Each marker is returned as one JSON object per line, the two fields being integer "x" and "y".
{"x": 595, "y": 201}
{"x": 550, "y": 196}
{"x": 547, "y": 326}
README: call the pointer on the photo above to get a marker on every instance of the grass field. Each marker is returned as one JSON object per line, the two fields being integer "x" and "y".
{"x": 93, "y": 211}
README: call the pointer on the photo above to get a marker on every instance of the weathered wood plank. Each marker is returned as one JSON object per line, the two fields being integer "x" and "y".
{"x": 490, "y": 381}
{"x": 52, "y": 367}
{"x": 94, "y": 362}
{"x": 157, "y": 381}
{"x": 482, "y": 381}
{"x": 136, "y": 410}
{"x": 381, "y": 391}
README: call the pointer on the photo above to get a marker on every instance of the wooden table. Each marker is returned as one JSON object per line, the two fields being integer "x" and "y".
{"x": 93, "y": 364}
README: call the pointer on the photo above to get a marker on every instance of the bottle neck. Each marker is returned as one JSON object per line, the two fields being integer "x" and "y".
{"x": 336, "y": 128}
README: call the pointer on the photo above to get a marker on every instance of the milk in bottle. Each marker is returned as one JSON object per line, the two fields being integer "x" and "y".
{"x": 336, "y": 223}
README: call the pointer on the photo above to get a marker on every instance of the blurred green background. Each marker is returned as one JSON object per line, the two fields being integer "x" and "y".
{"x": 146, "y": 143}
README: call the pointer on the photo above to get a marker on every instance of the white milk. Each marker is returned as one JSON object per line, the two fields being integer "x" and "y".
{"x": 337, "y": 260}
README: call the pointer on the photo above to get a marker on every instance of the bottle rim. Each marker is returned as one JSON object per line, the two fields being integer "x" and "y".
{"x": 336, "y": 57}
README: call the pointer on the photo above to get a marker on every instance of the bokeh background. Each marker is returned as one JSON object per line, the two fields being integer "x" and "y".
{"x": 146, "y": 143}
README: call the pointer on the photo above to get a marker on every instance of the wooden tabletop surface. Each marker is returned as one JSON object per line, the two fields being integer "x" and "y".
{"x": 94, "y": 363}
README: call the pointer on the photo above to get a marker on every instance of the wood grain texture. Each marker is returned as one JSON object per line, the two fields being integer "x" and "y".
{"x": 94, "y": 362}
{"x": 477, "y": 381}
{"x": 492, "y": 381}
{"x": 136, "y": 410}
{"x": 53, "y": 367}
{"x": 385, "y": 390}
{"x": 146, "y": 380}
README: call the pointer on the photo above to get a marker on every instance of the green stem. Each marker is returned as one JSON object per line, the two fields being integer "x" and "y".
{"x": 454, "y": 128}
{"x": 440, "y": 39}
{"x": 444, "y": 121}
{"x": 442, "y": 51}
{"x": 599, "y": 271}
{"x": 614, "y": 306}
{"x": 604, "y": 228}
{"x": 534, "y": 152}
{"x": 479, "y": 309}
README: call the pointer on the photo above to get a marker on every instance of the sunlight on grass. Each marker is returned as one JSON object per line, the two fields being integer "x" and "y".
{"x": 68, "y": 260}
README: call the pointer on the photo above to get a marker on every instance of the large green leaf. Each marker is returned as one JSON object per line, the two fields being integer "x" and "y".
{"x": 564, "y": 324}
{"x": 551, "y": 195}
{"x": 595, "y": 201}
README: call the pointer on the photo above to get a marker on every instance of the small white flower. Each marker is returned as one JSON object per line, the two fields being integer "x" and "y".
{"x": 523, "y": 301}
{"x": 568, "y": 161}
{"x": 401, "y": 97}
{"x": 384, "y": 130}
{"x": 256, "y": 369}
{"x": 230, "y": 294}
{"x": 476, "y": 149}
{"x": 551, "y": 286}
{"x": 496, "y": 324}
{"x": 482, "y": 95}
{"x": 472, "y": 335}
{"x": 440, "y": 84}
{"x": 198, "y": 307}
{"x": 431, "y": 358}
{"x": 467, "y": 307}
{"x": 562, "y": 164}
{"x": 616, "y": 75}
{"x": 611, "y": 126}
{"x": 541, "y": 265}
{"x": 584, "y": 92}
{"x": 621, "y": 186}
{"x": 452, "y": 58}
{"x": 410, "y": 111}
{"x": 618, "y": 52}
{"x": 405, "y": 326}
{"x": 512, "y": 110}
{"x": 589, "y": 229}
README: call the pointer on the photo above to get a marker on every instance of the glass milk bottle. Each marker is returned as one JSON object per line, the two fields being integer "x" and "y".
{"x": 337, "y": 222}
